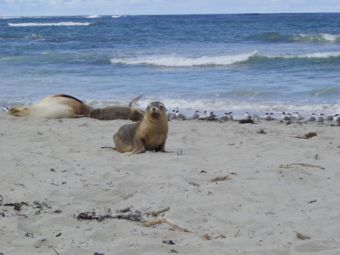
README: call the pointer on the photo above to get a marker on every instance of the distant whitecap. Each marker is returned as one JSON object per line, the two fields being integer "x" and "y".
{"x": 93, "y": 16}
{"x": 36, "y": 24}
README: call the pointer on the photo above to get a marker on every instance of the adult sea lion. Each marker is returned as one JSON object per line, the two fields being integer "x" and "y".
{"x": 148, "y": 134}
{"x": 57, "y": 106}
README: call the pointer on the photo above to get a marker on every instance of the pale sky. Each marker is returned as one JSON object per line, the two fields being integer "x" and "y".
{"x": 134, "y": 7}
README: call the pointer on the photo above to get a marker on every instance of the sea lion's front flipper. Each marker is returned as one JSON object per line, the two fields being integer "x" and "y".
{"x": 138, "y": 146}
{"x": 161, "y": 148}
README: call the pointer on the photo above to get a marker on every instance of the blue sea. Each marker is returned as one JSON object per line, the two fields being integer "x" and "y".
{"x": 253, "y": 62}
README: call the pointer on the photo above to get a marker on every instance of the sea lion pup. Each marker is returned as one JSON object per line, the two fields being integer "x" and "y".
{"x": 57, "y": 106}
{"x": 119, "y": 112}
{"x": 148, "y": 134}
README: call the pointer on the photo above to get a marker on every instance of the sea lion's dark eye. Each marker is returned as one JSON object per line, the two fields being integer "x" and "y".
{"x": 161, "y": 106}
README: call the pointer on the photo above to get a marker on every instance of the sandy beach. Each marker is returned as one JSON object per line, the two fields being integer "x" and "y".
{"x": 228, "y": 188}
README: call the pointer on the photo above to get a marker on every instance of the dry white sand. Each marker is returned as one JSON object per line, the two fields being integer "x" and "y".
{"x": 58, "y": 168}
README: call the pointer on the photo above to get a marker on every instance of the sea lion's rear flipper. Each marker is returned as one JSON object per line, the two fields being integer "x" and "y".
{"x": 135, "y": 100}
{"x": 141, "y": 112}
{"x": 135, "y": 114}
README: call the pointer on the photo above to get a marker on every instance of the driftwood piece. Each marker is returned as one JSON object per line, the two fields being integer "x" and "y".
{"x": 301, "y": 164}
{"x": 261, "y": 132}
{"x": 165, "y": 221}
{"x": 209, "y": 237}
{"x": 156, "y": 213}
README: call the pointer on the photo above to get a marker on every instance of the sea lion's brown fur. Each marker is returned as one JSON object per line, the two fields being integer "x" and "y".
{"x": 117, "y": 112}
{"x": 57, "y": 106}
{"x": 148, "y": 134}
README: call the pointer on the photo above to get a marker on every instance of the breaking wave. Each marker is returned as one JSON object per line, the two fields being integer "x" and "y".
{"x": 226, "y": 60}
{"x": 177, "y": 61}
{"x": 169, "y": 61}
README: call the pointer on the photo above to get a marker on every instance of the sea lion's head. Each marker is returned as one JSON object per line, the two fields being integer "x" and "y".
{"x": 156, "y": 110}
{"x": 19, "y": 111}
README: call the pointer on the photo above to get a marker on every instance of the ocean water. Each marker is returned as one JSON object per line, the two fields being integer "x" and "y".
{"x": 267, "y": 62}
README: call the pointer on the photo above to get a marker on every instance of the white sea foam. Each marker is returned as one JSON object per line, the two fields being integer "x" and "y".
{"x": 33, "y": 24}
{"x": 330, "y": 37}
{"x": 322, "y": 55}
{"x": 322, "y": 37}
{"x": 177, "y": 61}
{"x": 115, "y": 16}
{"x": 188, "y": 106}
{"x": 237, "y": 107}
{"x": 334, "y": 54}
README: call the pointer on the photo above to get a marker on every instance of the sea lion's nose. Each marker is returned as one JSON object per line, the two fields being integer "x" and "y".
{"x": 153, "y": 109}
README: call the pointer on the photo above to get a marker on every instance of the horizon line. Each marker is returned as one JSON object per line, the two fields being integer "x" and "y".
{"x": 171, "y": 14}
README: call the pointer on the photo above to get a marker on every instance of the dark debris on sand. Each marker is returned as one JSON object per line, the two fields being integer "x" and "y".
{"x": 125, "y": 214}
{"x": 262, "y": 132}
{"x": 38, "y": 207}
{"x": 92, "y": 216}
{"x": 135, "y": 216}
{"x": 307, "y": 136}
{"x": 221, "y": 178}
{"x": 168, "y": 242}
{"x": 16, "y": 206}
{"x": 302, "y": 236}
{"x": 246, "y": 121}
